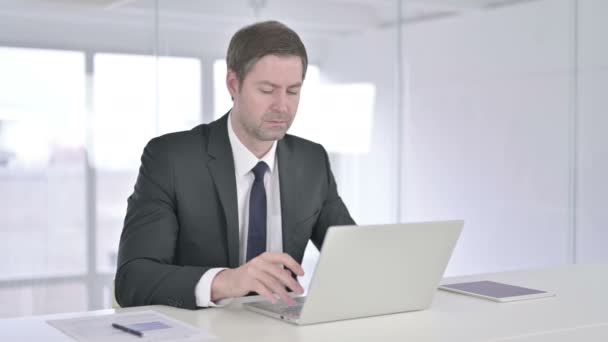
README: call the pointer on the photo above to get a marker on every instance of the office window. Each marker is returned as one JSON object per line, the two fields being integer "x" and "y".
{"x": 221, "y": 97}
{"x": 136, "y": 98}
{"x": 41, "y": 162}
{"x": 42, "y": 188}
{"x": 326, "y": 109}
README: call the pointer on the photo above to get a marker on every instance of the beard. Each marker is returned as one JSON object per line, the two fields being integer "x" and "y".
{"x": 268, "y": 131}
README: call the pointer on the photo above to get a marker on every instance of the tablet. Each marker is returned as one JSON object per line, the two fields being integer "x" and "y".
{"x": 497, "y": 292}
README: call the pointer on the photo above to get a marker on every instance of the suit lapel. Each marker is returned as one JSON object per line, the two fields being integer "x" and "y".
{"x": 221, "y": 168}
{"x": 287, "y": 183}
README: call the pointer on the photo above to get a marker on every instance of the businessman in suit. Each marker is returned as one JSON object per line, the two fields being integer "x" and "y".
{"x": 227, "y": 208}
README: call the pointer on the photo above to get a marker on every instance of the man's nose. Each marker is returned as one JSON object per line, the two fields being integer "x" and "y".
{"x": 280, "y": 103}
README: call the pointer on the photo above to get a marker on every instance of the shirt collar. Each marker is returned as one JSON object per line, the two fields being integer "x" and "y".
{"x": 244, "y": 160}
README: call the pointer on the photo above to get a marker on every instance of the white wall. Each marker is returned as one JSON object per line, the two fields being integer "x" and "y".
{"x": 487, "y": 133}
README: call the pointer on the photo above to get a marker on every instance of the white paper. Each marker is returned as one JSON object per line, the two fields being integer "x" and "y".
{"x": 160, "y": 328}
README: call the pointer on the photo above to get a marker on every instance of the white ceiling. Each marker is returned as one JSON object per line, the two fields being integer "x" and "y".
{"x": 328, "y": 16}
{"x": 195, "y": 27}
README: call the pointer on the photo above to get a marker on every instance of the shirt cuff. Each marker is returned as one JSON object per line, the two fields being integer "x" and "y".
{"x": 202, "y": 291}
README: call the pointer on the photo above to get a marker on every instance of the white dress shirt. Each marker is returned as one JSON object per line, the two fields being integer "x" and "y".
{"x": 244, "y": 162}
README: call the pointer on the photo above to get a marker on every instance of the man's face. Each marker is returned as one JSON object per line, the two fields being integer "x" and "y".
{"x": 266, "y": 101}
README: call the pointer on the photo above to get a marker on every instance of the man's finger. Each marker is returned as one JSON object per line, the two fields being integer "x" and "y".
{"x": 263, "y": 291}
{"x": 285, "y": 260}
{"x": 275, "y": 285}
{"x": 285, "y": 278}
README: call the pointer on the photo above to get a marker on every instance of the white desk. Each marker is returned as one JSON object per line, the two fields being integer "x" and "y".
{"x": 578, "y": 313}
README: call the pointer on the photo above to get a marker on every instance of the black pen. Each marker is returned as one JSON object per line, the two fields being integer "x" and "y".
{"x": 127, "y": 330}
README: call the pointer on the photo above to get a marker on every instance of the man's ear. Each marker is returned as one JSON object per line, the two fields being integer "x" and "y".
{"x": 232, "y": 83}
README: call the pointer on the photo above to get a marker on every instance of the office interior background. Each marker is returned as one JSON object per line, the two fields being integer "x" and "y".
{"x": 491, "y": 111}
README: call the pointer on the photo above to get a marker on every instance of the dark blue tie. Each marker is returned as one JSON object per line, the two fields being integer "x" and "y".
{"x": 256, "y": 238}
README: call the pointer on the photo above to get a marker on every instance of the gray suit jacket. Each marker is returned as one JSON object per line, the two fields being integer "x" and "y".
{"x": 182, "y": 218}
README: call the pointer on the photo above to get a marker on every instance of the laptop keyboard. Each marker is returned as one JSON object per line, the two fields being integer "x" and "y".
{"x": 282, "y": 308}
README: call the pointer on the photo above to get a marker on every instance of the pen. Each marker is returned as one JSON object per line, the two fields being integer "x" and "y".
{"x": 127, "y": 330}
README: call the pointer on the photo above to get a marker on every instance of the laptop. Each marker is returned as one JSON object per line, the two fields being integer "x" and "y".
{"x": 372, "y": 270}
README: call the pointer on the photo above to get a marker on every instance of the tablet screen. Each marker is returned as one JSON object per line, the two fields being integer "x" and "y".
{"x": 493, "y": 289}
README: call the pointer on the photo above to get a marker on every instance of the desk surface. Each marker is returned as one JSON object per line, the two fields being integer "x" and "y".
{"x": 578, "y": 312}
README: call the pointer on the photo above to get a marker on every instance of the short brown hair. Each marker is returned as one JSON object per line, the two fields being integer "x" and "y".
{"x": 255, "y": 41}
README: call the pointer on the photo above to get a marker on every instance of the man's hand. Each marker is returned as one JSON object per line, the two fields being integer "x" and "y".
{"x": 267, "y": 274}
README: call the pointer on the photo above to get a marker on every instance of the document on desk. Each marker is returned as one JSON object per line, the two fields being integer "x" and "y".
{"x": 132, "y": 326}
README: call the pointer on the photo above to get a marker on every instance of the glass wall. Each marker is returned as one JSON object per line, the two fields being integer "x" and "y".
{"x": 488, "y": 132}
{"x": 84, "y": 86}
{"x": 501, "y": 128}
{"x": 591, "y": 105}
{"x": 489, "y": 111}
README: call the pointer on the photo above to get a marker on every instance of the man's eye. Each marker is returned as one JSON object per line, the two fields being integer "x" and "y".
{"x": 294, "y": 92}
{"x": 266, "y": 91}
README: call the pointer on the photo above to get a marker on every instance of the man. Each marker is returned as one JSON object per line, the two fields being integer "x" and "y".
{"x": 227, "y": 208}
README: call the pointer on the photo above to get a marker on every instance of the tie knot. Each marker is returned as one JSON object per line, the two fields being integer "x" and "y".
{"x": 259, "y": 170}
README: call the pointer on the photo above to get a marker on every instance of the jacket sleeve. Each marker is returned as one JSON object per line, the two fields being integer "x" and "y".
{"x": 146, "y": 271}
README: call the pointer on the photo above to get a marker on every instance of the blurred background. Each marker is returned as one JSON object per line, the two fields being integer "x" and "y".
{"x": 491, "y": 111}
